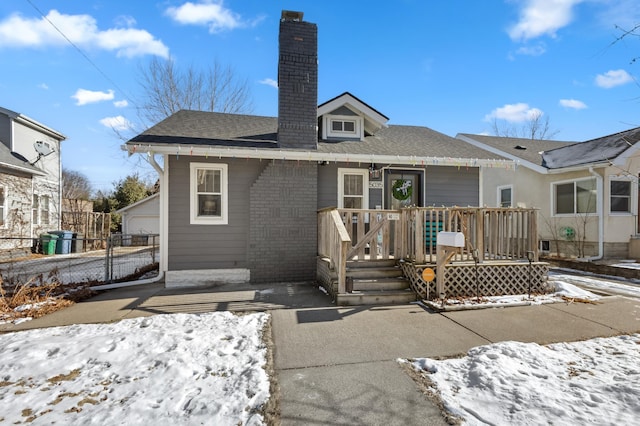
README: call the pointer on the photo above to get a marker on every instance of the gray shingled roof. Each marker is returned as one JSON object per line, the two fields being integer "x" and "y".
{"x": 603, "y": 149}
{"x": 513, "y": 146}
{"x": 9, "y": 160}
{"x": 247, "y": 131}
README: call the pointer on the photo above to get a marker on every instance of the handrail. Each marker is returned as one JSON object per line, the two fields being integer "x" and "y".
{"x": 333, "y": 243}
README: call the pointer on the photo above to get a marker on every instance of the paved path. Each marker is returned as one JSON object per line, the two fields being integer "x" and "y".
{"x": 337, "y": 365}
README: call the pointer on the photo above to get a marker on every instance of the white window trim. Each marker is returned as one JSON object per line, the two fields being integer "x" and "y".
{"x": 45, "y": 206}
{"x": 365, "y": 185}
{"x": 193, "y": 194}
{"x": 498, "y": 195}
{"x": 575, "y": 213}
{"x": 330, "y": 133}
{"x": 633, "y": 204}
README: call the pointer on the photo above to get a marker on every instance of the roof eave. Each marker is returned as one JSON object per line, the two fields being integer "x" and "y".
{"x": 324, "y": 157}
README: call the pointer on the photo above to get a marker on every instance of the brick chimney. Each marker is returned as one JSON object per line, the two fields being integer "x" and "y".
{"x": 297, "y": 83}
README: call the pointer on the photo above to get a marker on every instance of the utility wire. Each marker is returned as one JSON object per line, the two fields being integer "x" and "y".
{"x": 109, "y": 79}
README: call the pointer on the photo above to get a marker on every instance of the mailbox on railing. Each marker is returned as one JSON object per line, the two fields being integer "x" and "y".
{"x": 450, "y": 239}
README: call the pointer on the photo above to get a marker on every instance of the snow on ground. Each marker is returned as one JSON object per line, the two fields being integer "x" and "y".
{"x": 619, "y": 286}
{"x": 166, "y": 369}
{"x": 508, "y": 383}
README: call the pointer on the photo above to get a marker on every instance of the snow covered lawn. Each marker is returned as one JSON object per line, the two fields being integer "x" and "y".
{"x": 166, "y": 369}
{"x": 591, "y": 382}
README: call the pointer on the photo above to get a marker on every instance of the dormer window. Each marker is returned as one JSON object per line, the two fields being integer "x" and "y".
{"x": 343, "y": 126}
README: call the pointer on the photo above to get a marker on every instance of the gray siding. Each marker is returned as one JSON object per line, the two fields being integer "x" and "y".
{"x": 452, "y": 186}
{"x": 210, "y": 246}
{"x": 327, "y": 185}
{"x": 272, "y": 229}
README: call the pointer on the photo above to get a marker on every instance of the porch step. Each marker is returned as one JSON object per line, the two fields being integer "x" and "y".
{"x": 380, "y": 284}
{"x": 376, "y": 297}
{"x": 374, "y": 273}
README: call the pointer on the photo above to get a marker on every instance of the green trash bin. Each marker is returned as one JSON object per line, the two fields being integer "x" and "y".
{"x": 48, "y": 243}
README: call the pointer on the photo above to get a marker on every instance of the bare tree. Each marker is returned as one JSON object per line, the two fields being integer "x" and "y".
{"x": 75, "y": 185}
{"x": 537, "y": 127}
{"x": 167, "y": 89}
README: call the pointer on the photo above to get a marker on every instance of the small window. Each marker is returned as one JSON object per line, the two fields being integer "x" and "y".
{"x": 3, "y": 207}
{"x": 353, "y": 188}
{"x": 578, "y": 197}
{"x": 344, "y": 126}
{"x": 45, "y": 202}
{"x": 209, "y": 194}
{"x": 505, "y": 196}
{"x": 620, "y": 196}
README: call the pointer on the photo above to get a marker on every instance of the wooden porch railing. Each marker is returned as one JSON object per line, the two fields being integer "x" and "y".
{"x": 496, "y": 233}
{"x": 411, "y": 234}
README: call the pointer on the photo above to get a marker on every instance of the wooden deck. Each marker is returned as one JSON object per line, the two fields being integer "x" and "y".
{"x": 503, "y": 242}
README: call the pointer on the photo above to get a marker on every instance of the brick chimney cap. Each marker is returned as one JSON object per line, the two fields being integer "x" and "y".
{"x": 290, "y": 15}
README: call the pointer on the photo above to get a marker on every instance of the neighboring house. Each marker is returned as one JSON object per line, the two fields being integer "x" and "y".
{"x": 30, "y": 178}
{"x": 587, "y": 192}
{"x": 142, "y": 217}
{"x": 239, "y": 194}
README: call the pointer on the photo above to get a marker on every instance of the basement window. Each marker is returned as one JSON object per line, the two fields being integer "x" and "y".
{"x": 209, "y": 194}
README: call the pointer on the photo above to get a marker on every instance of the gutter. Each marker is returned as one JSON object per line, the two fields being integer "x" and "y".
{"x": 600, "y": 213}
{"x": 319, "y": 156}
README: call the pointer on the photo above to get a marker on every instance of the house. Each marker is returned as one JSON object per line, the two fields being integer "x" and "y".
{"x": 142, "y": 217}
{"x": 30, "y": 179}
{"x": 240, "y": 194}
{"x": 587, "y": 192}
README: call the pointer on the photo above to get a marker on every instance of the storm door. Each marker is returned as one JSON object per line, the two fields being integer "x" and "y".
{"x": 403, "y": 188}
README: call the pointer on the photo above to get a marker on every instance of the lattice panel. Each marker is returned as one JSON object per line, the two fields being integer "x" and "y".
{"x": 496, "y": 279}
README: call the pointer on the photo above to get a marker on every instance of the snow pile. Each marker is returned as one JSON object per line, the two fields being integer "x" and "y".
{"x": 165, "y": 369}
{"x": 590, "y": 382}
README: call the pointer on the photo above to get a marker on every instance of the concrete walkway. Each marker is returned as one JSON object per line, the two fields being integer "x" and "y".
{"x": 337, "y": 365}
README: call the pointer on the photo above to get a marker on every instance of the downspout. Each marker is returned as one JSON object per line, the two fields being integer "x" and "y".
{"x": 600, "y": 213}
{"x": 164, "y": 195}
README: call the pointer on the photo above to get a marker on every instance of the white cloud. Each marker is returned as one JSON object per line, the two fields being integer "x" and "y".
{"x": 613, "y": 78}
{"x": 573, "y": 104}
{"x": 540, "y": 17}
{"x": 118, "y": 123}
{"x": 514, "y": 113}
{"x": 83, "y": 96}
{"x": 121, "y": 104}
{"x": 210, "y": 13}
{"x": 43, "y": 86}
{"x": 81, "y": 30}
{"x": 537, "y": 50}
{"x": 269, "y": 82}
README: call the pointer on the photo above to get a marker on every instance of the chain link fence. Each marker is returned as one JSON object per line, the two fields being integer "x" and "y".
{"x": 69, "y": 259}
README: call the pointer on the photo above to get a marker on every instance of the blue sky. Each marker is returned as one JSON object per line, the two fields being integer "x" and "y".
{"x": 453, "y": 66}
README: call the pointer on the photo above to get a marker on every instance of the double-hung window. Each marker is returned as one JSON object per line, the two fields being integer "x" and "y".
{"x": 620, "y": 198}
{"x": 576, "y": 197}
{"x": 353, "y": 188}
{"x": 209, "y": 194}
{"x": 45, "y": 203}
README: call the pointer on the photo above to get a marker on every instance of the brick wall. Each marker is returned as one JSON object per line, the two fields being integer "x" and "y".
{"x": 283, "y": 223}
{"x": 298, "y": 85}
